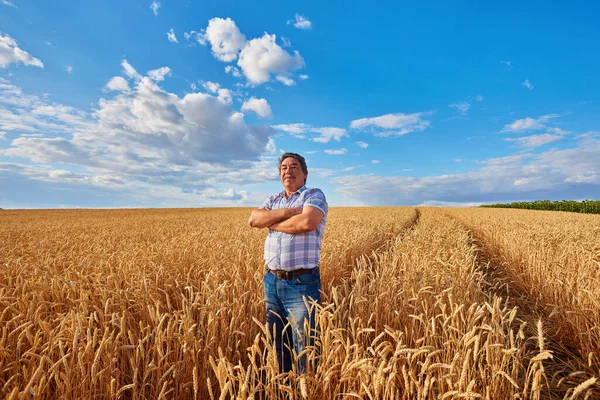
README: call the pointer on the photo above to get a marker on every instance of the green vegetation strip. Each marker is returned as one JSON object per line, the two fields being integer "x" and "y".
{"x": 585, "y": 206}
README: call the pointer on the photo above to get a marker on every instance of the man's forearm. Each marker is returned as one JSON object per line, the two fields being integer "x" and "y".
{"x": 294, "y": 225}
{"x": 265, "y": 218}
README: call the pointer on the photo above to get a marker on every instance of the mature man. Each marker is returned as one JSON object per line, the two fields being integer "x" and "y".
{"x": 296, "y": 221}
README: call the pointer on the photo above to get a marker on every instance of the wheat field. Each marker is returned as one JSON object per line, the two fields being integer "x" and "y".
{"x": 417, "y": 303}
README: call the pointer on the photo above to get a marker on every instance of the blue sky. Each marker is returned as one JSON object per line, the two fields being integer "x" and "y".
{"x": 189, "y": 104}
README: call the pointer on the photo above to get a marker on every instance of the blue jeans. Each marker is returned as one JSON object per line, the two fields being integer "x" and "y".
{"x": 285, "y": 301}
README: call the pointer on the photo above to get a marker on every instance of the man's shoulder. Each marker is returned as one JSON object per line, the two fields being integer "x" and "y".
{"x": 314, "y": 192}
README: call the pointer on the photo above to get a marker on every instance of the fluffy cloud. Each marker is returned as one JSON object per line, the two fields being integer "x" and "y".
{"x": 118, "y": 83}
{"x": 303, "y": 77}
{"x": 154, "y": 7}
{"x": 362, "y": 144}
{"x": 142, "y": 134}
{"x": 285, "y": 80}
{"x": 300, "y": 22}
{"x": 479, "y": 97}
{"x": 171, "y": 36}
{"x": 229, "y": 194}
{"x": 329, "y": 133}
{"x": 258, "y": 59}
{"x": 528, "y": 85}
{"x": 129, "y": 70}
{"x": 233, "y": 71}
{"x": 260, "y": 106}
{"x": 8, "y": 3}
{"x": 10, "y": 53}
{"x": 527, "y": 124}
{"x": 2, "y": 135}
{"x": 462, "y": 107}
{"x": 224, "y": 37}
{"x": 297, "y": 130}
{"x": 573, "y": 171}
{"x": 326, "y": 133}
{"x": 535, "y": 140}
{"x": 69, "y": 69}
{"x": 337, "y": 152}
{"x": 375, "y": 161}
{"x": 393, "y": 124}
{"x": 158, "y": 75}
{"x": 262, "y": 57}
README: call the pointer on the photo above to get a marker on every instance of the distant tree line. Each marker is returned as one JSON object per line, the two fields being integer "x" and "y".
{"x": 585, "y": 206}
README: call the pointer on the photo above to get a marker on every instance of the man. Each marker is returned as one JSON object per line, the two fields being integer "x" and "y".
{"x": 296, "y": 221}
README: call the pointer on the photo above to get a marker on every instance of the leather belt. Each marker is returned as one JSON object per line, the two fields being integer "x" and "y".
{"x": 291, "y": 274}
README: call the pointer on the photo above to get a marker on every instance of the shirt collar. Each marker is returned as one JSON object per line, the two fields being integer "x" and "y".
{"x": 302, "y": 189}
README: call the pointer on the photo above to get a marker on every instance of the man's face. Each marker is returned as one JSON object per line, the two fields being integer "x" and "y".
{"x": 291, "y": 174}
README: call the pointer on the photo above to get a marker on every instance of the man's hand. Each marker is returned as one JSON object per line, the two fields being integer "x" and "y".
{"x": 261, "y": 218}
{"x": 307, "y": 221}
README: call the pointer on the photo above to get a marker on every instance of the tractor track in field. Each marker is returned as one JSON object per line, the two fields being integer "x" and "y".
{"x": 497, "y": 282}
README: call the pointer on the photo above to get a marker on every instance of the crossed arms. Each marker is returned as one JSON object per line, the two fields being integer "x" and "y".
{"x": 287, "y": 220}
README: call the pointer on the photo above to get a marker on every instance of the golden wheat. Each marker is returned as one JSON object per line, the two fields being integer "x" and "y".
{"x": 169, "y": 304}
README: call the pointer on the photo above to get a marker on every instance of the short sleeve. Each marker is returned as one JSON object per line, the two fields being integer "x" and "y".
{"x": 268, "y": 204}
{"x": 316, "y": 198}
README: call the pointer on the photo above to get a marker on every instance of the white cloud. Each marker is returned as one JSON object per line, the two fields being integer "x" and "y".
{"x": 528, "y": 85}
{"x": 459, "y": 160}
{"x": 528, "y": 123}
{"x": 329, "y": 133}
{"x": 2, "y": 135}
{"x": 298, "y": 130}
{"x": 393, "y": 124}
{"x": 225, "y": 38}
{"x": 271, "y": 147}
{"x": 479, "y": 97}
{"x": 145, "y": 135}
{"x": 225, "y": 95}
{"x": 516, "y": 177}
{"x": 70, "y": 69}
{"x": 258, "y": 59}
{"x": 158, "y": 75}
{"x": 196, "y": 36}
{"x": 118, "y": 83}
{"x": 233, "y": 71}
{"x": 286, "y": 42}
{"x": 260, "y": 106}
{"x": 535, "y": 140}
{"x": 338, "y": 152}
{"x": 215, "y": 194}
{"x": 285, "y": 80}
{"x": 10, "y": 53}
{"x": 262, "y": 57}
{"x": 375, "y": 161}
{"x": 47, "y": 43}
{"x": 193, "y": 86}
{"x": 507, "y": 63}
{"x": 462, "y": 107}
{"x": 129, "y": 70}
{"x": 171, "y": 36}
{"x": 362, "y": 144}
{"x": 303, "y": 77}
{"x": 300, "y": 22}
{"x": 212, "y": 87}
{"x": 154, "y": 7}
{"x": 8, "y": 3}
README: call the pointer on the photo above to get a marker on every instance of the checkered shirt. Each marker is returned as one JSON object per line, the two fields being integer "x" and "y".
{"x": 284, "y": 251}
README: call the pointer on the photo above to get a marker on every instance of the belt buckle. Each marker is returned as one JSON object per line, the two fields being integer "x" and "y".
{"x": 287, "y": 275}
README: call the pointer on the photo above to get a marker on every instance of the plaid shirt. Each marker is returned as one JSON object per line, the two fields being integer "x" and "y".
{"x": 284, "y": 251}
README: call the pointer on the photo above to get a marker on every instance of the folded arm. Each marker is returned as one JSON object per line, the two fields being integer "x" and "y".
{"x": 264, "y": 218}
{"x": 307, "y": 221}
